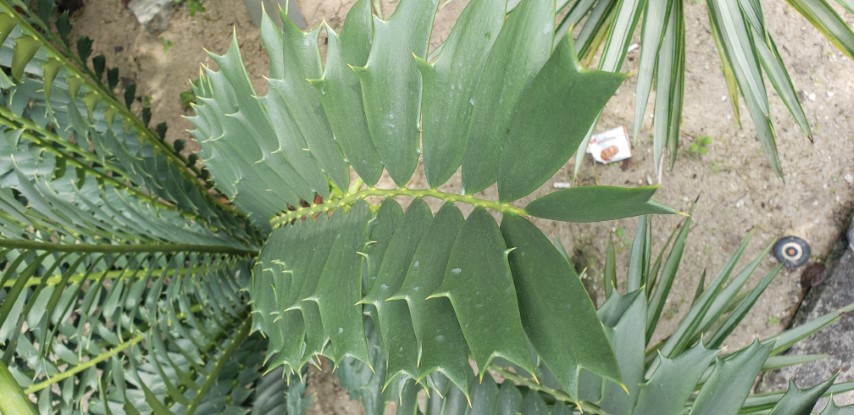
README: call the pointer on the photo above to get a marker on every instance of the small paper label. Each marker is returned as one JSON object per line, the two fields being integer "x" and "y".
{"x": 610, "y": 146}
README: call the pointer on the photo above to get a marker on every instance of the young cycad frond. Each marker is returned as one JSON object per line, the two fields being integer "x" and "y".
{"x": 505, "y": 101}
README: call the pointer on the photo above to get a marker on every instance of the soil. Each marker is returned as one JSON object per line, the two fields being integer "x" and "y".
{"x": 738, "y": 192}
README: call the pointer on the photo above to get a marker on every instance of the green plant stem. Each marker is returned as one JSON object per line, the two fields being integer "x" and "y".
{"x": 46, "y": 140}
{"x": 138, "y": 248}
{"x": 14, "y": 122}
{"x": 353, "y": 197}
{"x": 238, "y": 340}
{"x": 101, "y": 357}
{"x": 107, "y": 178}
{"x": 13, "y": 401}
{"x": 86, "y": 365}
{"x": 109, "y": 276}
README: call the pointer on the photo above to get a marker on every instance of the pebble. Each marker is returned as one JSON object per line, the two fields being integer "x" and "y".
{"x": 849, "y": 178}
{"x": 152, "y": 14}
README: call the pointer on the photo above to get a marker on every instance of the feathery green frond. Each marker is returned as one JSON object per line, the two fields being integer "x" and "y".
{"x": 439, "y": 287}
{"x": 81, "y": 321}
{"x": 60, "y": 104}
{"x": 697, "y": 378}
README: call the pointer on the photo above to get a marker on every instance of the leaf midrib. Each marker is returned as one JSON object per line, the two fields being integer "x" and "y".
{"x": 135, "y": 248}
{"x": 351, "y": 198}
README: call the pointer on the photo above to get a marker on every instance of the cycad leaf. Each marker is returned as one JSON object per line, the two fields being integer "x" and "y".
{"x": 729, "y": 384}
{"x": 540, "y": 121}
{"x": 238, "y": 113}
{"x": 554, "y": 305}
{"x": 277, "y": 284}
{"x": 479, "y": 285}
{"x": 69, "y": 200}
{"x": 441, "y": 345}
{"x": 798, "y": 401}
{"x": 340, "y": 287}
{"x": 667, "y": 391}
{"x": 449, "y": 87}
{"x": 392, "y": 86}
{"x": 341, "y": 93}
{"x": 395, "y": 323}
{"x": 57, "y": 97}
{"x": 84, "y": 315}
{"x": 292, "y": 98}
{"x": 520, "y": 51}
{"x": 596, "y": 203}
{"x": 438, "y": 289}
{"x": 419, "y": 259}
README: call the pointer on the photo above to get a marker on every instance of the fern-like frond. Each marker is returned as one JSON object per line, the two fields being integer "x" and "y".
{"x": 45, "y": 198}
{"x": 76, "y": 321}
{"x": 690, "y": 371}
{"x": 123, "y": 276}
{"x": 502, "y": 102}
{"x": 60, "y": 104}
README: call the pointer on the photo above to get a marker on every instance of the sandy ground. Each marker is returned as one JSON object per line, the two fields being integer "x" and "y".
{"x": 738, "y": 191}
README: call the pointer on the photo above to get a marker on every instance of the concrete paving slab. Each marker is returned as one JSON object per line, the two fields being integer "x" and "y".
{"x": 837, "y": 340}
